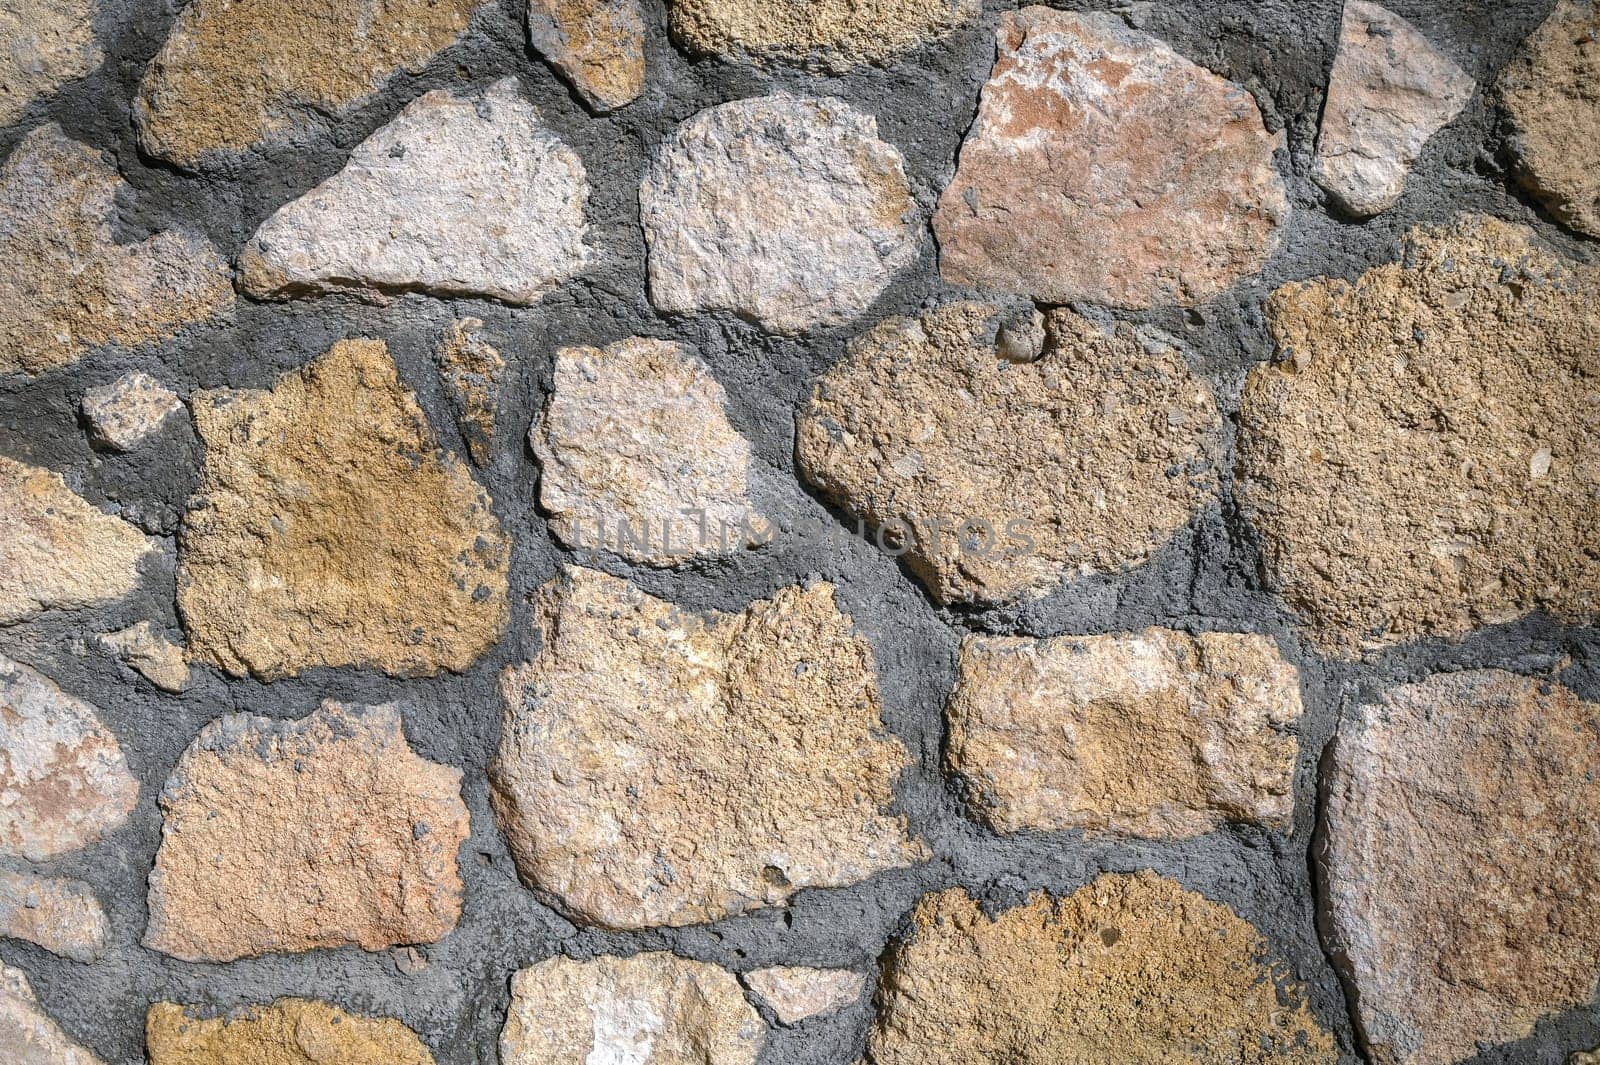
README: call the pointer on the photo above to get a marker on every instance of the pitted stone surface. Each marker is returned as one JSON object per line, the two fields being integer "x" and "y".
{"x": 1156, "y": 733}
{"x": 329, "y": 530}
{"x": 1103, "y": 166}
{"x": 64, "y": 782}
{"x": 1390, "y": 91}
{"x": 836, "y": 34}
{"x": 291, "y": 1031}
{"x": 650, "y": 1009}
{"x": 636, "y": 455}
{"x": 1463, "y": 861}
{"x": 66, "y": 283}
{"x": 473, "y": 371}
{"x": 1425, "y": 459}
{"x": 1130, "y": 970}
{"x": 57, "y": 551}
{"x": 461, "y": 195}
{"x": 662, "y": 768}
{"x": 289, "y": 836}
{"x": 234, "y": 73}
{"x": 28, "y": 1036}
{"x": 58, "y": 914}
{"x": 128, "y": 411}
{"x": 48, "y": 43}
{"x": 797, "y": 993}
{"x": 159, "y": 660}
{"x": 784, "y": 209}
{"x": 1551, "y": 101}
{"x": 1083, "y": 461}
{"x": 597, "y": 45}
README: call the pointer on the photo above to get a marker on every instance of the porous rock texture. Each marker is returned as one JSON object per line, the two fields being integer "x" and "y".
{"x": 797, "y": 993}
{"x": 234, "y": 73}
{"x": 64, "y": 782}
{"x": 61, "y": 915}
{"x": 1156, "y": 733}
{"x": 1390, "y": 91}
{"x": 462, "y": 194}
{"x": 651, "y": 1008}
{"x": 128, "y": 411}
{"x": 289, "y": 836}
{"x": 998, "y": 479}
{"x": 636, "y": 455}
{"x": 1104, "y": 166}
{"x": 597, "y": 45}
{"x": 159, "y": 660}
{"x": 1129, "y": 970}
{"x": 1463, "y": 861}
{"x": 28, "y": 1036}
{"x": 1551, "y": 95}
{"x": 658, "y": 767}
{"x": 48, "y": 43}
{"x": 57, "y": 551}
{"x": 330, "y": 530}
{"x": 834, "y": 34}
{"x": 788, "y": 210}
{"x": 291, "y": 1031}
{"x": 1424, "y": 458}
{"x": 67, "y": 285}
{"x": 473, "y": 372}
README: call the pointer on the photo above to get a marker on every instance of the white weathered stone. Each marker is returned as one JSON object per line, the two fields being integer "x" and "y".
{"x": 658, "y": 767}
{"x": 785, "y": 209}
{"x": 58, "y": 914}
{"x": 636, "y": 455}
{"x": 63, "y": 781}
{"x": 650, "y": 1009}
{"x": 1390, "y": 91}
{"x": 47, "y": 43}
{"x": 597, "y": 45}
{"x": 128, "y": 411}
{"x": 160, "y": 661}
{"x": 28, "y": 1036}
{"x": 796, "y": 993}
{"x": 57, "y": 551}
{"x": 460, "y": 195}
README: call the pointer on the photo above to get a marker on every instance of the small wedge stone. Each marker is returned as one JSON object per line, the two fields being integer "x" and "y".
{"x": 597, "y": 45}
{"x": 796, "y": 993}
{"x": 62, "y": 916}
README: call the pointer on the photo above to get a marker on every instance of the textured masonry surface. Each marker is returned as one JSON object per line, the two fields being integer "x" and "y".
{"x": 799, "y": 532}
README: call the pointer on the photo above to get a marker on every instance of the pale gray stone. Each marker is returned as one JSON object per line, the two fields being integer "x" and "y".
{"x": 47, "y": 44}
{"x": 459, "y": 195}
{"x": 128, "y": 411}
{"x": 785, "y": 209}
{"x": 58, "y": 914}
{"x": 28, "y": 1036}
{"x": 797, "y": 993}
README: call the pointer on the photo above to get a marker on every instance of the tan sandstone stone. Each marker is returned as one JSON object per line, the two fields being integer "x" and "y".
{"x": 797, "y": 993}
{"x": 1390, "y": 91}
{"x": 787, "y": 210}
{"x": 636, "y": 455}
{"x": 597, "y": 45}
{"x": 1130, "y": 970}
{"x": 1591, "y": 1057}
{"x": 650, "y": 1008}
{"x": 47, "y": 44}
{"x": 1463, "y": 861}
{"x": 234, "y": 73}
{"x": 660, "y": 767}
{"x": 329, "y": 530}
{"x": 1551, "y": 94}
{"x": 57, "y": 551}
{"x": 1156, "y": 733}
{"x": 58, "y": 914}
{"x": 64, "y": 783}
{"x": 289, "y": 836}
{"x": 28, "y": 1036}
{"x": 1426, "y": 458}
{"x": 66, "y": 284}
{"x": 128, "y": 411}
{"x": 472, "y": 370}
{"x": 836, "y": 34}
{"x": 159, "y": 660}
{"x": 1103, "y": 166}
{"x": 1083, "y": 461}
{"x": 291, "y": 1031}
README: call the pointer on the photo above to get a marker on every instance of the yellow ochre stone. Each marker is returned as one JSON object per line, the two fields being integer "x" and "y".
{"x": 291, "y": 1031}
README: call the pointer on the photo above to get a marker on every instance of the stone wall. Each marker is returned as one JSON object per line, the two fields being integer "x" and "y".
{"x": 802, "y": 532}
